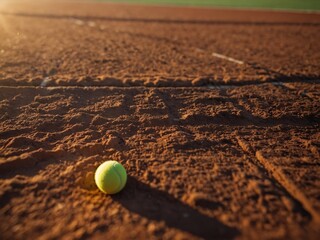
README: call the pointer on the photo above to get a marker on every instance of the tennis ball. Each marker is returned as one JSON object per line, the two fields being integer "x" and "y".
{"x": 110, "y": 177}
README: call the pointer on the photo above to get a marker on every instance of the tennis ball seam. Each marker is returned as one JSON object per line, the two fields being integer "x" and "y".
{"x": 119, "y": 176}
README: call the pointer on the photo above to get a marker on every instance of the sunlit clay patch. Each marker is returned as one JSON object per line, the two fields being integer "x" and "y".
{"x": 4, "y": 26}
{"x": 3, "y": 3}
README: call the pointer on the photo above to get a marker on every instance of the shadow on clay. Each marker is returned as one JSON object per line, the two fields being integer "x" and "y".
{"x": 158, "y": 205}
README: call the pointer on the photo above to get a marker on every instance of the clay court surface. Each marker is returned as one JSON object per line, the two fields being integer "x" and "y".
{"x": 214, "y": 113}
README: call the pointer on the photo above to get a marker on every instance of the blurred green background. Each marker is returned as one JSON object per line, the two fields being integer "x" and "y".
{"x": 269, "y": 4}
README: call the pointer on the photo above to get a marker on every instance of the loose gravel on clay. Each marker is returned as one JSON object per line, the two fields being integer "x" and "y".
{"x": 214, "y": 113}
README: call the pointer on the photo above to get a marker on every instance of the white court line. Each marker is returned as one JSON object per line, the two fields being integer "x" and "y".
{"x": 227, "y": 58}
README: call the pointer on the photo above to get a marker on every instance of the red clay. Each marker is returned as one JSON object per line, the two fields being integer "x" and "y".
{"x": 120, "y": 45}
{"x": 213, "y": 149}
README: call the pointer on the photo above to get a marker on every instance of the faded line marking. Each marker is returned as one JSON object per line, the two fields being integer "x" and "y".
{"x": 293, "y": 89}
{"x": 286, "y": 182}
{"x": 280, "y": 177}
{"x": 212, "y": 84}
{"x": 227, "y": 58}
{"x": 45, "y": 82}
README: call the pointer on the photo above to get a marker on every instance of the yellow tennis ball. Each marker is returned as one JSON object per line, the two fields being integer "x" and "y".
{"x": 110, "y": 177}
